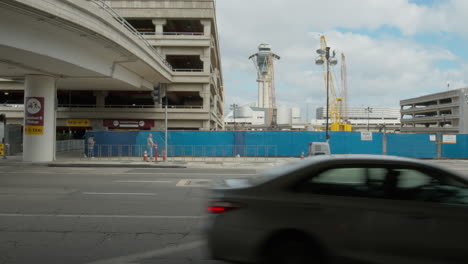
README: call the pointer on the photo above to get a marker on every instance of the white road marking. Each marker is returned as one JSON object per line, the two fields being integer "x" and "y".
{"x": 102, "y": 193}
{"x": 194, "y": 183}
{"x": 134, "y": 181}
{"x": 183, "y": 173}
{"x": 134, "y": 258}
{"x": 104, "y": 216}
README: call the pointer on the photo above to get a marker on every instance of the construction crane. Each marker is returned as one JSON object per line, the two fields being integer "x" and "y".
{"x": 344, "y": 95}
{"x": 264, "y": 63}
{"x": 338, "y": 113}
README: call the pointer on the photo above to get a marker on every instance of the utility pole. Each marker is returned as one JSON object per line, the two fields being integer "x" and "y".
{"x": 165, "y": 127}
{"x": 4, "y": 119}
{"x": 327, "y": 56}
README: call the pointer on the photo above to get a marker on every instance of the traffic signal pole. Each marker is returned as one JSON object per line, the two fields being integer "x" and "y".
{"x": 3, "y": 118}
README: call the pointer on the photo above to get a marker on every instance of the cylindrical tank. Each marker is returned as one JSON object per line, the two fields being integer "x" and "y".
{"x": 243, "y": 112}
{"x": 283, "y": 115}
{"x": 296, "y": 115}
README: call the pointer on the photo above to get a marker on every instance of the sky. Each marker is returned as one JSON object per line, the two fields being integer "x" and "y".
{"x": 395, "y": 49}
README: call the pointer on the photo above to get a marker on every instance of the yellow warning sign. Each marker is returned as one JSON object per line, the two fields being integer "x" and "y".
{"x": 2, "y": 149}
{"x": 34, "y": 130}
{"x": 77, "y": 122}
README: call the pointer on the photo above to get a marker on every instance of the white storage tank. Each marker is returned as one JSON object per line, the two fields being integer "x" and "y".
{"x": 244, "y": 112}
{"x": 296, "y": 115}
{"x": 283, "y": 115}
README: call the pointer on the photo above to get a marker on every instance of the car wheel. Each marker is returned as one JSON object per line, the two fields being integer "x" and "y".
{"x": 293, "y": 250}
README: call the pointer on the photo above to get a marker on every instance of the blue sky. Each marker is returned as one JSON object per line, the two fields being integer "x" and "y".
{"x": 395, "y": 49}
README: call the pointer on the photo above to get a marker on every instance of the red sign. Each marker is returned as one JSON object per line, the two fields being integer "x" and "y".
{"x": 128, "y": 123}
{"x": 34, "y": 116}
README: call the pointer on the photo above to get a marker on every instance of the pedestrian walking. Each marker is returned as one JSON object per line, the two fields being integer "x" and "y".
{"x": 91, "y": 143}
{"x": 150, "y": 144}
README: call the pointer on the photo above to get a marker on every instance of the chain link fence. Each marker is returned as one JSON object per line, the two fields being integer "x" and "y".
{"x": 179, "y": 152}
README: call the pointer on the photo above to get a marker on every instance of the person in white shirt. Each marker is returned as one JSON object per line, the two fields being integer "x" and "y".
{"x": 150, "y": 145}
{"x": 91, "y": 143}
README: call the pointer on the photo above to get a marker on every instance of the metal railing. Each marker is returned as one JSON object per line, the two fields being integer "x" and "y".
{"x": 104, "y": 106}
{"x": 127, "y": 106}
{"x": 69, "y": 145}
{"x": 129, "y": 27}
{"x": 187, "y": 70}
{"x": 183, "y": 33}
{"x": 180, "y": 152}
{"x": 152, "y": 33}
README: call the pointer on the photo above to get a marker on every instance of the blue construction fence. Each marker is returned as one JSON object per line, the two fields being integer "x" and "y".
{"x": 278, "y": 143}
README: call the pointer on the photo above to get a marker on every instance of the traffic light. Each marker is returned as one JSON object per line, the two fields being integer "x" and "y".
{"x": 157, "y": 93}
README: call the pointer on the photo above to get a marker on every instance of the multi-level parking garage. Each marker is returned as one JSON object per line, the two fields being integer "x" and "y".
{"x": 94, "y": 65}
{"x": 439, "y": 112}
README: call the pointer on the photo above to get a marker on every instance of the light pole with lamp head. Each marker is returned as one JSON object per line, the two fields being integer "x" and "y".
{"x": 329, "y": 60}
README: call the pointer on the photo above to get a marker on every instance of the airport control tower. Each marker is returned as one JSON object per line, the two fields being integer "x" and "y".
{"x": 264, "y": 63}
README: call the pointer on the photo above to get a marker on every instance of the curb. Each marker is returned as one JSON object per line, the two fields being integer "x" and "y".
{"x": 101, "y": 165}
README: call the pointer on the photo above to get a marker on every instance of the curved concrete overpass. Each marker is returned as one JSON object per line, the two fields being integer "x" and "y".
{"x": 69, "y": 44}
{"x": 78, "y": 43}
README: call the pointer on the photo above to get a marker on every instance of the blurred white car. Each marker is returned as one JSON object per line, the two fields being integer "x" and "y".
{"x": 375, "y": 209}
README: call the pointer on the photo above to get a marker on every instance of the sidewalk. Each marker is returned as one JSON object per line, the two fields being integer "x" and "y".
{"x": 73, "y": 159}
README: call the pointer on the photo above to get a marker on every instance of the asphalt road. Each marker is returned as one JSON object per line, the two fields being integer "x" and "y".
{"x": 104, "y": 215}
{"x": 109, "y": 215}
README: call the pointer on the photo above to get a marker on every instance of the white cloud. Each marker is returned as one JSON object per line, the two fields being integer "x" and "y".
{"x": 380, "y": 71}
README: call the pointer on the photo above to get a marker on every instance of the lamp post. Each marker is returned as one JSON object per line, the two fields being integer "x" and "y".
{"x": 368, "y": 110}
{"x": 324, "y": 57}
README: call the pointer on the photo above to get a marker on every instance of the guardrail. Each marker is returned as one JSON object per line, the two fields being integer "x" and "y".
{"x": 127, "y": 106}
{"x": 187, "y": 70}
{"x": 151, "y": 33}
{"x": 183, "y": 33}
{"x": 69, "y": 145}
{"x": 104, "y": 106}
{"x": 128, "y": 26}
{"x": 186, "y": 106}
{"x": 179, "y": 152}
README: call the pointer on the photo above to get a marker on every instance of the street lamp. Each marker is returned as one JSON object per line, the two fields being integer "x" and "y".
{"x": 233, "y": 108}
{"x": 368, "y": 110}
{"x": 329, "y": 60}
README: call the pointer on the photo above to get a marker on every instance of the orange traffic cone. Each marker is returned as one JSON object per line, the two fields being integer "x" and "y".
{"x": 145, "y": 156}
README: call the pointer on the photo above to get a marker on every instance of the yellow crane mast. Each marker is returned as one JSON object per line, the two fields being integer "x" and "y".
{"x": 337, "y": 105}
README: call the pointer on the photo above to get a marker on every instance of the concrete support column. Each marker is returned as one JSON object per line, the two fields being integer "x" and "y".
{"x": 206, "y": 59}
{"x": 206, "y": 27}
{"x": 39, "y": 118}
{"x": 206, "y": 126}
{"x": 206, "y": 95}
{"x": 101, "y": 98}
{"x": 159, "y": 23}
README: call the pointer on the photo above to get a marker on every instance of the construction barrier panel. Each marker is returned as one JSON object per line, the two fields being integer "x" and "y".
{"x": 459, "y": 149}
{"x": 412, "y": 145}
{"x": 355, "y": 143}
{"x": 276, "y": 143}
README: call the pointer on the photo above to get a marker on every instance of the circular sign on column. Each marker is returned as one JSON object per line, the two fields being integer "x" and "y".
{"x": 34, "y": 116}
{"x": 33, "y": 105}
